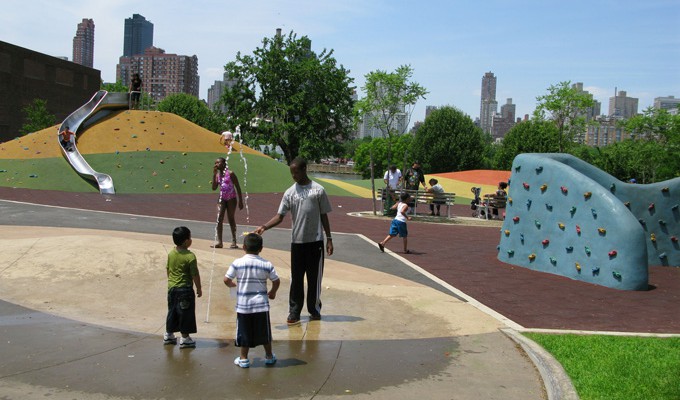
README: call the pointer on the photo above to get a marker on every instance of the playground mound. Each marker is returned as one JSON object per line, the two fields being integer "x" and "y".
{"x": 123, "y": 131}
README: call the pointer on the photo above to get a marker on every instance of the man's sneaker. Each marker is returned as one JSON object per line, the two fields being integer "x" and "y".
{"x": 315, "y": 317}
{"x": 169, "y": 338}
{"x": 270, "y": 361}
{"x": 242, "y": 363}
{"x": 293, "y": 318}
{"x": 186, "y": 342}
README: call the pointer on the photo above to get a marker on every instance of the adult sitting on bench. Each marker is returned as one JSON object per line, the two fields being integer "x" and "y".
{"x": 496, "y": 200}
{"x": 437, "y": 192}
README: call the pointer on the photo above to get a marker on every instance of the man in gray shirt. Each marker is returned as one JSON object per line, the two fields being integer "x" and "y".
{"x": 309, "y": 206}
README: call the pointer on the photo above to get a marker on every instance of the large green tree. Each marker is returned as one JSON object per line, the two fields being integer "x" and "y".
{"x": 449, "y": 140}
{"x": 566, "y": 106}
{"x": 389, "y": 102}
{"x": 192, "y": 109}
{"x": 533, "y": 136}
{"x": 285, "y": 94}
{"x": 36, "y": 117}
{"x": 377, "y": 147}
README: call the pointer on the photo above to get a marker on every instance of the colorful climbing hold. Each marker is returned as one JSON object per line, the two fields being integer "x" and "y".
{"x": 544, "y": 187}
{"x": 517, "y": 168}
{"x": 553, "y": 260}
{"x": 662, "y": 222}
{"x": 652, "y": 237}
{"x": 651, "y": 207}
{"x": 510, "y": 200}
{"x": 587, "y": 195}
{"x": 616, "y": 275}
{"x": 532, "y": 257}
{"x": 594, "y": 212}
{"x": 569, "y": 249}
{"x": 578, "y": 267}
{"x": 545, "y": 242}
{"x": 526, "y": 185}
{"x": 528, "y": 204}
{"x": 538, "y": 224}
{"x": 560, "y": 225}
{"x": 662, "y": 256}
{"x": 601, "y": 231}
{"x": 612, "y": 253}
{"x": 548, "y": 206}
{"x": 521, "y": 238}
{"x": 572, "y": 211}
{"x": 627, "y": 204}
{"x": 564, "y": 189}
{"x": 612, "y": 188}
{"x": 539, "y": 169}
{"x": 511, "y": 253}
{"x": 674, "y": 239}
{"x": 507, "y": 232}
{"x": 578, "y": 230}
{"x": 665, "y": 189}
{"x": 596, "y": 270}
{"x": 587, "y": 250}
{"x": 515, "y": 219}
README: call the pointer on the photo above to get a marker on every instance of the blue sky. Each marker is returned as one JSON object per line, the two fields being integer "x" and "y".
{"x": 529, "y": 45}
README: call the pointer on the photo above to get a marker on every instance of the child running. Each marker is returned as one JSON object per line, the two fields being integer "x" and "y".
{"x": 252, "y": 304}
{"x": 398, "y": 225}
{"x": 182, "y": 271}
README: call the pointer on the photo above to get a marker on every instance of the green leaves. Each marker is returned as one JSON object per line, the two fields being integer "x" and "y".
{"x": 192, "y": 109}
{"x": 37, "y": 117}
{"x": 287, "y": 95}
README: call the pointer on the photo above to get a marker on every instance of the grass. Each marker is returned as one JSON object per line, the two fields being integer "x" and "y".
{"x": 617, "y": 367}
{"x": 151, "y": 172}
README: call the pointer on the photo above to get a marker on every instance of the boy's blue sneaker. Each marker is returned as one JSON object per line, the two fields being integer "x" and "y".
{"x": 270, "y": 361}
{"x": 169, "y": 338}
{"x": 242, "y": 363}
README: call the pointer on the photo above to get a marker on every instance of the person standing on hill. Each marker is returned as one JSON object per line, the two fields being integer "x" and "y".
{"x": 230, "y": 198}
{"x": 135, "y": 91}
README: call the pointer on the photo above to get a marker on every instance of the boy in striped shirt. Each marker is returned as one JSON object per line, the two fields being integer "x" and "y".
{"x": 251, "y": 273}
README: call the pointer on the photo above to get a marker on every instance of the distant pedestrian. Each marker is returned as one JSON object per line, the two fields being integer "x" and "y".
{"x": 437, "y": 192}
{"x": 135, "y": 91}
{"x": 230, "y": 198}
{"x": 398, "y": 224}
{"x": 253, "y": 327}
{"x": 182, "y": 271}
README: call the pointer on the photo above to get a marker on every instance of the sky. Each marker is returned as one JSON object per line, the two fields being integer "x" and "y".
{"x": 528, "y": 45}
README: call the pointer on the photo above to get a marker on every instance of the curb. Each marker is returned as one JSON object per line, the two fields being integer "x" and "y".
{"x": 555, "y": 379}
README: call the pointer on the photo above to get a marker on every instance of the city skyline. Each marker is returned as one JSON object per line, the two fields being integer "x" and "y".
{"x": 528, "y": 46}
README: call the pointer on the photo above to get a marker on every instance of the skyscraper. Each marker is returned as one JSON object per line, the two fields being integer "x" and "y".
{"x": 622, "y": 106}
{"x": 138, "y": 35}
{"x": 162, "y": 74}
{"x": 488, "y": 105}
{"x": 83, "y": 43}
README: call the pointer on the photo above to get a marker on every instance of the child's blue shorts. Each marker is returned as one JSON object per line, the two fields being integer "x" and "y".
{"x": 398, "y": 228}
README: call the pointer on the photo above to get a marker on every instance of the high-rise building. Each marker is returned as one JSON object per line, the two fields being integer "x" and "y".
{"x": 592, "y": 111}
{"x": 606, "y": 131}
{"x": 666, "y": 103}
{"x": 504, "y": 121}
{"x": 162, "y": 74}
{"x": 622, "y": 106}
{"x": 138, "y": 35}
{"x": 488, "y": 105}
{"x": 217, "y": 89}
{"x": 83, "y": 43}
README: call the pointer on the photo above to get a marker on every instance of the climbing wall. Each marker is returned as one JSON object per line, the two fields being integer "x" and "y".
{"x": 568, "y": 218}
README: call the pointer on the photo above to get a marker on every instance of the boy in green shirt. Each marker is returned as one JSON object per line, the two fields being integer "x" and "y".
{"x": 182, "y": 270}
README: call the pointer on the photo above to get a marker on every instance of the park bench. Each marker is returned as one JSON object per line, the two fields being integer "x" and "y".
{"x": 422, "y": 197}
{"x": 493, "y": 202}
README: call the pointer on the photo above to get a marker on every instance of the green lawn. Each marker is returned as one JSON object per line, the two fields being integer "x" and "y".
{"x": 617, "y": 367}
{"x": 151, "y": 172}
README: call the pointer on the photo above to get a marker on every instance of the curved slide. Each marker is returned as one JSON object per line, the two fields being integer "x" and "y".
{"x": 102, "y": 101}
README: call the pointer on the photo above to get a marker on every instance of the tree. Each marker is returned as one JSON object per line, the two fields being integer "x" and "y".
{"x": 389, "y": 102}
{"x": 378, "y": 147}
{"x": 533, "y": 136}
{"x": 566, "y": 106}
{"x": 37, "y": 117}
{"x": 192, "y": 109}
{"x": 117, "y": 87}
{"x": 448, "y": 140}
{"x": 287, "y": 95}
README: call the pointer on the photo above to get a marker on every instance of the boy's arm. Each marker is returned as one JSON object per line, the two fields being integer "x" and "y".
{"x": 197, "y": 282}
{"x": 275, "y": 287}
{"x": 404, "y": 211}
{"x": 229, "y": 282}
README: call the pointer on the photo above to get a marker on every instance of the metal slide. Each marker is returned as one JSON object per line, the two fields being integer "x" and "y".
{"x": 100, "y": 104}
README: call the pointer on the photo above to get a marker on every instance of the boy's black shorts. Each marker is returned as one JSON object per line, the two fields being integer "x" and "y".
{"x": 181, "y": 310}
{"x": 253, "y": 329}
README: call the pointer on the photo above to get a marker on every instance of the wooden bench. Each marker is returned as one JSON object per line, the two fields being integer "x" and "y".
{"x": 423, "y": 197}
{"x": 493, "y": 202}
